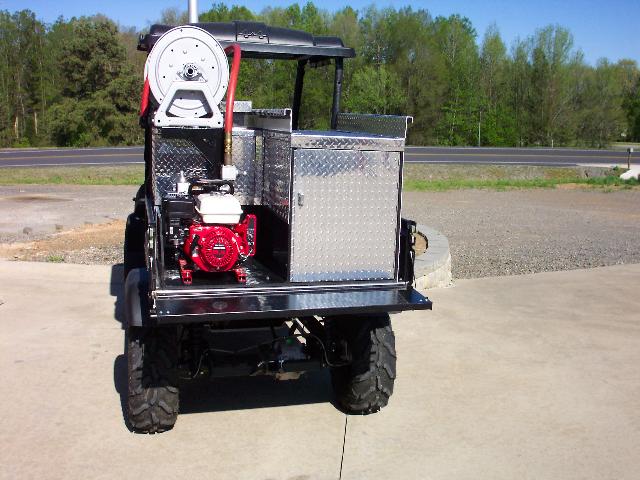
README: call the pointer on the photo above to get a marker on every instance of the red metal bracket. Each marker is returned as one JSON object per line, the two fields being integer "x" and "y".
{"x": 241, "y": 275}
{"x": 185, "y": 273}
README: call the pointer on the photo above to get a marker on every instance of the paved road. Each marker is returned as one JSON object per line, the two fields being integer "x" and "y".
{"x": 64, "y": 157}
{"x": 539, "y": 383}
{"x": 459, "y": 155}
{"x": 515, "y": 156}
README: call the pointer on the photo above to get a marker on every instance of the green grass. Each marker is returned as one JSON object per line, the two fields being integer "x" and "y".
{"x": 422, "y": 185}
{"x": 417, "y": 177}
{"x": 84, "y": 175}
{"x": 625, "y": 145}
{"x": 55, "y": 259}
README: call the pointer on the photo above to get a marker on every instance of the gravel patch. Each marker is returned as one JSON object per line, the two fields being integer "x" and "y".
{"x": 527, "y": 231}
{"x": 89, "y": 244}
{"x": 64, "y": 223}
{"x": 491, "y": 233}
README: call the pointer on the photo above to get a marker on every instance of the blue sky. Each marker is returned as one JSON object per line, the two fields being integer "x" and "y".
{"x": 601, "y": 29}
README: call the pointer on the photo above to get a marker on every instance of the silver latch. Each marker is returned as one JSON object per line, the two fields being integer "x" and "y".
{"x": 300, "y": 199}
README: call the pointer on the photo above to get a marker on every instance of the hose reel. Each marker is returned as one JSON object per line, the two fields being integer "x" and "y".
{"x": 188, "y": 75}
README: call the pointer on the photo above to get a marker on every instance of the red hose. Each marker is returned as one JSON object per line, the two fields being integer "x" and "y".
{"x": 233, "y": 82}
{"x": 231, "y": 96}
{"x": 144, "y": 99}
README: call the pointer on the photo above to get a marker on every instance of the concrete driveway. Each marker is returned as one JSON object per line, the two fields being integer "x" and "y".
{"x": 508, "y": 378}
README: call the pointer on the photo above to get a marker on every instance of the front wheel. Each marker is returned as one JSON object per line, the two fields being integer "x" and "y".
{"x": 153, "y": 396}
{"x": 366, "y": 384}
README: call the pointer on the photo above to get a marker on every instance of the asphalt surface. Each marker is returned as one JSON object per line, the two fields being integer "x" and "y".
{"x": 524, "y": 377}
{"x": 55, "y": 157}
{"x": 559, "y": 157}
{"x": 460, "y": 155}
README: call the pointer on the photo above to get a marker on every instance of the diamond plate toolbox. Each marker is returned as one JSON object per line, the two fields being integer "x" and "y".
{"x": 345, "y": 210}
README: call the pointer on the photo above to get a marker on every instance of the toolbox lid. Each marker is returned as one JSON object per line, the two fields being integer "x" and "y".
{"x": 259, "y": 40}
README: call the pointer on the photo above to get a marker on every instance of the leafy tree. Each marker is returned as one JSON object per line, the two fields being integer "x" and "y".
{"x": 173, "y": 16}
{"x": 601, "y": 117}
{"x": 221, "y": 13}
{"x": 553, "y": 66}
{"x": 519, "y": 91}
{"x": 496, "y": 123}
{"x": 456, "y": 41}
{"x": 100, "y": 89}
{"x": 375, "y": 90}
{"x": 22, "y": 77}
{"x": 77, "y": 81}
{"x": 632, "y": 107}
{"x": 630, "y": 81}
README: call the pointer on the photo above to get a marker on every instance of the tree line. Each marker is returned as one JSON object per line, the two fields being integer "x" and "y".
{"x": 77, "y": 82}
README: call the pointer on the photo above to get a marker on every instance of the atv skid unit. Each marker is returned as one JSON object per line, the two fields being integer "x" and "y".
{"x": 259, "y": 248}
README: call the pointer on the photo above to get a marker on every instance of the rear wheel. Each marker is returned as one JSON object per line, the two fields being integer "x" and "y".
{"x": 365, "y": 385}
{"x": 153, "y": 396}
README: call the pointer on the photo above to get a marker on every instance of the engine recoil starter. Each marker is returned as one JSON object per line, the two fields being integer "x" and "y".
{"x": 220, "y": 248}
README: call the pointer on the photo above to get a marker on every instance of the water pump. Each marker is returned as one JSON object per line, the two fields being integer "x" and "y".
{"x": 219, "y": 241}
{"x": 186, "y": 76}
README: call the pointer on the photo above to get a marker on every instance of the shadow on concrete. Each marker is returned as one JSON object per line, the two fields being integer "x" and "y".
{"x": 237, "y": 393}
{"x": 222, "y": 394}
{"x": 244, "y": 393}
{"x": 116, "y": 289}
{"x": 120, "y": 383}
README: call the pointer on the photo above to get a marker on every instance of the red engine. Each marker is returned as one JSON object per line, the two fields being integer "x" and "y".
{"x": 219, "y": 248}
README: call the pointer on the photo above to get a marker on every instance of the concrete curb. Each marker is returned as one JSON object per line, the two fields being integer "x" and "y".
{"x": 433, "y": 267}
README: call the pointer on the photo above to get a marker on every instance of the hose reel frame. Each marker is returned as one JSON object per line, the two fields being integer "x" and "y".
{"x": 188, "y": 74}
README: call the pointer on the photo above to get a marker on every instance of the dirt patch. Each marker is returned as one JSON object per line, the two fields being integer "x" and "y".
{"x": 35, "y": 198}
{"x": 88, "y": 244}
{"x": 582, "y": 186}
{"x": 571, "y": 186}
{"x": 421, "y": 245}
{"x": 30, "y": 213}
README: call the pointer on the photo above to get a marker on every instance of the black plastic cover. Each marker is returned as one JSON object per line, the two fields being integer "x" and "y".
{"x": 258, "y": 40}
{"x": 178, "y": 207}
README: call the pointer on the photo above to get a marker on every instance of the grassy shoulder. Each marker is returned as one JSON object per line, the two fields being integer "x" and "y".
{"x": 503, "y": 177}
{"x": 82, "y": 175}
{"x": 425, "y": 177}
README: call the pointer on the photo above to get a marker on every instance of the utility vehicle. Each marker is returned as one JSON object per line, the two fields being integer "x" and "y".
{"x": 255, "y": 247}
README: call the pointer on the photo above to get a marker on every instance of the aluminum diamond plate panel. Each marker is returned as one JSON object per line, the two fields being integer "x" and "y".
{"x": 277, "y": 172}
{"x": 345, "y": 215}
{"x": 249, "y": 165}
{"x": 345, "y": 141}
{"x": 390, "y": 125}
{"x": 198, "y": 153}
{"x": 174, "y": 150}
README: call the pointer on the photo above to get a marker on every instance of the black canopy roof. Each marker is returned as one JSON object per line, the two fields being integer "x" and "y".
{"x": 258, "y": 40}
